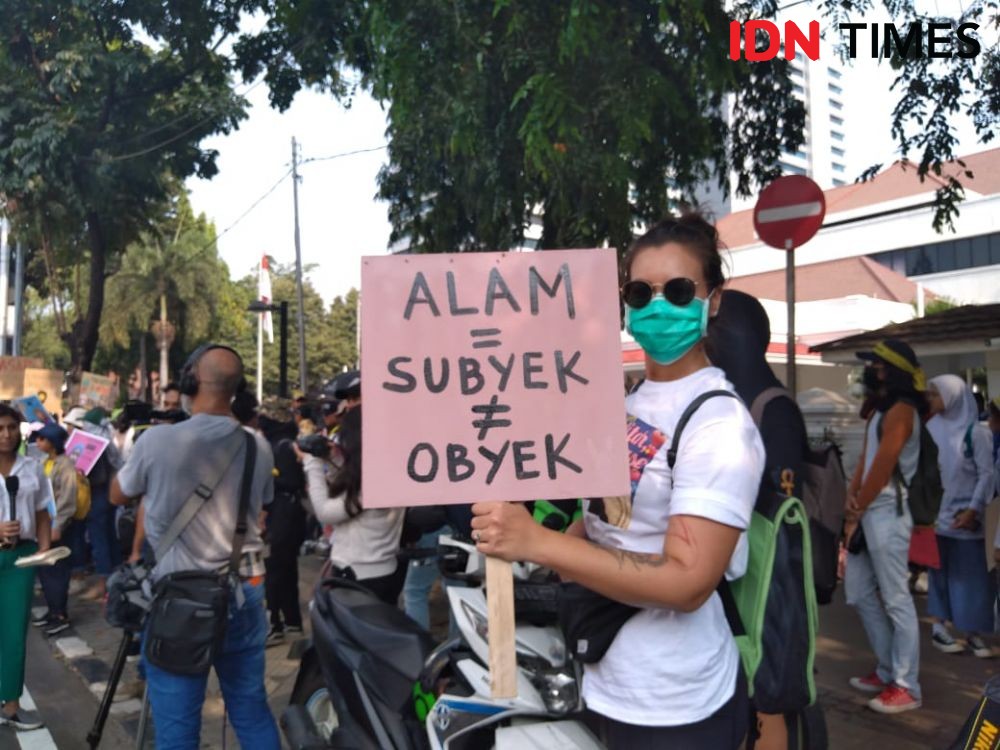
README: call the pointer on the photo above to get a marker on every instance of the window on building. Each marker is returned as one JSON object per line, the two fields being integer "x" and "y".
{"x": 839, "y": 168}
{"x": 834, "y": 104}
{"x": 838, "y": 183}
{"x": 980, "y": 251}
{"x": 837, "y": 151}
{"x": 941, "y": 257}
{"x": 795, "y": 70}
{"x": 835, "y": 74}
{"x": 787, "y": 168}
{"x": 797, "y": 89}
{"x": 837, "y": 135}
{"x": 836, "y": 120}
{"x": 835, "y": 89}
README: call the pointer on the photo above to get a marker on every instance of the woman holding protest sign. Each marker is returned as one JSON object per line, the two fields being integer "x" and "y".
{"x": 365, "y": 542}
{"x": 671, "y": 676}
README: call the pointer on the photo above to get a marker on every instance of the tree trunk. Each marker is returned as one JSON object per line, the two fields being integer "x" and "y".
{"x": 164, "y": 348}
{"x": 85, "y": 336}
{"x": 144, "y": 392}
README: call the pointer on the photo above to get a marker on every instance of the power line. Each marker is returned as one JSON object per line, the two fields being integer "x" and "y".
{"x": 253, "y": 205}
{"x": 346, "y": 153}
{"x": 278, "y": 183}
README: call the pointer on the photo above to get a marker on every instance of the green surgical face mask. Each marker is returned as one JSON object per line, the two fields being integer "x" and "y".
{"x": 666, "y": 332}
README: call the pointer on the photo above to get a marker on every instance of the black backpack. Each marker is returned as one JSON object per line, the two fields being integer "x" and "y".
{"x": 824, "y": 495}
{"x": 925, "y": 490}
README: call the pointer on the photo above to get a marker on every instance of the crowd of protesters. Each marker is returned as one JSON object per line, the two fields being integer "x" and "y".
{"x": 675, "y": 679}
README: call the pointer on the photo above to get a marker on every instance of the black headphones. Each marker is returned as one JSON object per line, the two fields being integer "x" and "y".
{"x": 188, "y": 383}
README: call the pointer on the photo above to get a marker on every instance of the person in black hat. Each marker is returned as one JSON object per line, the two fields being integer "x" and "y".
{"x": 878, "y": 527}
{"x": 51, "y": 440}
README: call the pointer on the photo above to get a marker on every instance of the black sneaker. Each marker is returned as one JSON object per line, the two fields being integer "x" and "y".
{"x": 22, "y": 721}
{"x": 41, "y": 621}
{"x": 274, "y": 637}
{"x": 293, "y": 630}
{"x": 56, "y": 626}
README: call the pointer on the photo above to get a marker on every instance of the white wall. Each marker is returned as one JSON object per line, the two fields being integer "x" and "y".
{"x": 973, "y": 285}
{"x": 835, "y": 316}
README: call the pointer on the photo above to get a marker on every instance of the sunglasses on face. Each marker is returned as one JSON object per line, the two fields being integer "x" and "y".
{"x": 638, "y": 294}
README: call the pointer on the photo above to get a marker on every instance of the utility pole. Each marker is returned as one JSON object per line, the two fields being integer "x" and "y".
{"x": 4, "y": 282}
{"x": 298, "y": 269}
{"x": 18, "y": 299}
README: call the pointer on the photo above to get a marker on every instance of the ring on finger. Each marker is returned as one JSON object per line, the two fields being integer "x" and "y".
{"x": 475, "y": 537}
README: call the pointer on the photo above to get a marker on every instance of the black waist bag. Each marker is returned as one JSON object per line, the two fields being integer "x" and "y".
{"x": 190, "y": 608}
{"x": 590, "y": 621}
{"x": 187, "y": 622}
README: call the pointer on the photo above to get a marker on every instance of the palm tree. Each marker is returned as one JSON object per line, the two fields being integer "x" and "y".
{"x": 172, "y": 268}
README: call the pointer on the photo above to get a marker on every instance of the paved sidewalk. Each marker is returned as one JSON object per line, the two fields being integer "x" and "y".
{"x": 951, "y": 683}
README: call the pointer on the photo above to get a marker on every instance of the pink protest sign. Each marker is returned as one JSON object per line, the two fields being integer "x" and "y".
{"x": 491, "y": 376}
{"x": 85, "y": 450}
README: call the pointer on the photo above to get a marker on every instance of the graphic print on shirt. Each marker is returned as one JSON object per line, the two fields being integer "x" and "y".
{"x": 644, "y": 442}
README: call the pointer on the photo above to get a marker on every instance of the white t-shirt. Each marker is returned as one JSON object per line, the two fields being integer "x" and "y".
{"x": 665, "y": 667}
{"x": 34, "y": 493}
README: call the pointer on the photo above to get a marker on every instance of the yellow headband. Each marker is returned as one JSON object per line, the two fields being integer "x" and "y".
{"x": 900, "y": 362}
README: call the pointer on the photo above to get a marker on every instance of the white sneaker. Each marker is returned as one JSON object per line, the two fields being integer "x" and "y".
{"x": 945, "y": 643}
{"x": 920, "y": 585}
{"x": 979, "y": 647}
{"x": 49, "y": 557}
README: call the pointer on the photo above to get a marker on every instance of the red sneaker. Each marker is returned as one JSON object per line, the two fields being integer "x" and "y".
{"x": 869, "y": 683}
{"x": 894, "y": 700}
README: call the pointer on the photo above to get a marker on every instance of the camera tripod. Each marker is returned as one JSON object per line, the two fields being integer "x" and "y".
{"x": 97, "y": 730}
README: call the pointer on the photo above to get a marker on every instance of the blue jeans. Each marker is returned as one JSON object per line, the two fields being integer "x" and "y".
{"x": 877, "y": 586}
{"x": 102, "y": 532}
{"x": 177, "y": 700}
{"x": 420, "y": 577}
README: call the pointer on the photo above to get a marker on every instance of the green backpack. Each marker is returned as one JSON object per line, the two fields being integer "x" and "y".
{"x": 772, "y": 609}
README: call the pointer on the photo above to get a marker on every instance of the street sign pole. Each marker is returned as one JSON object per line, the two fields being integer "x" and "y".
{"x": 787, "y": 215}
{"x": 790, "y": 378}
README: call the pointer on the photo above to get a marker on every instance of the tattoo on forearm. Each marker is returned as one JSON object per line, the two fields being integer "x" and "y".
{"x": 679, "y": 530}
{"x": 636, "y": 560}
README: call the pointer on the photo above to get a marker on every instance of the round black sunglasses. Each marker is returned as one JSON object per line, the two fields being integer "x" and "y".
{"x": 638, "y": 294}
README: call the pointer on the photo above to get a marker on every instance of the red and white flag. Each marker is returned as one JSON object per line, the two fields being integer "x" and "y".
{"x": 264, "y": 293}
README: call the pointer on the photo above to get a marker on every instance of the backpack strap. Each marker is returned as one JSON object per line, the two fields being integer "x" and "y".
{"x": 246, "y": 482}
{"x": 202, "y": 494}
{"x": 730, "y": 608}
{"x": 967, "y": 442}
{"x": 675, "y": 443}
{"x": 765, "y": 397}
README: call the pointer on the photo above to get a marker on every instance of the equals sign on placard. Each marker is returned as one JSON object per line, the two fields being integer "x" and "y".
{"x": 485, "y": 338}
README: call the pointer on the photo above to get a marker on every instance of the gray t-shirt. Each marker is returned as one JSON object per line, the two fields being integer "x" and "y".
{"x": 168, "y": 463}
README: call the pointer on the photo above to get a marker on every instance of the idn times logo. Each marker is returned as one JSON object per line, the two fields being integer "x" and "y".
{"x": 932, "y": 39}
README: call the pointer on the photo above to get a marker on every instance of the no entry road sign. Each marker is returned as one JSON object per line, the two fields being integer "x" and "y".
{"x": 789, "y": 212}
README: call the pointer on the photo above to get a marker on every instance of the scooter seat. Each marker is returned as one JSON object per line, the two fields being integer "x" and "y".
{"x": 382, "y": 630}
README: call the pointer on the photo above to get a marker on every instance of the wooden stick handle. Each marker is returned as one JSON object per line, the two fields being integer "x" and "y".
{"x": 500, "y": 603}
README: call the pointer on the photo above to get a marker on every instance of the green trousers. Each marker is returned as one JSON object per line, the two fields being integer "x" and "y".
{"x": 16, "y": 586}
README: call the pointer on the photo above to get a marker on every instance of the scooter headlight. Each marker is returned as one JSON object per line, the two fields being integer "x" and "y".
{"x": 479, "y": 622}
{"x": 559, "y": 690}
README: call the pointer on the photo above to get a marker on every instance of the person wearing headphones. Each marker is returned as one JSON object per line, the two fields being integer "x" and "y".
{"x": 164, "y": 468}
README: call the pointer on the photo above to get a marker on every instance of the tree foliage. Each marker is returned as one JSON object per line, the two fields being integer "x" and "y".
{"x": 102, "y": 109}
{"x": 586, "y": 109}
{"x": 330, "y": 333}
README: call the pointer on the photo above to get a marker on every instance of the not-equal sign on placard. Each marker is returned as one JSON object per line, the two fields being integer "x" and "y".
{"x": 485, "y": 338}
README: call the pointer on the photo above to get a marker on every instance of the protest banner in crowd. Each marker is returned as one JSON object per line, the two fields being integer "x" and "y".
{"x": 85, "y": 450}
{"x": 491, "y": 376}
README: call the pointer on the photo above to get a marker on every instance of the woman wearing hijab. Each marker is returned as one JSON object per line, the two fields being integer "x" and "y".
{"x": 961, "y": 591}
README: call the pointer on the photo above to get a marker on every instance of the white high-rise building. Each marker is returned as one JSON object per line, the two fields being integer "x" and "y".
{"x": 824, "y": 155}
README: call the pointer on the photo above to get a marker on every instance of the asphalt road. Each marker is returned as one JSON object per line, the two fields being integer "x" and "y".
{"x": 65, "y": 704}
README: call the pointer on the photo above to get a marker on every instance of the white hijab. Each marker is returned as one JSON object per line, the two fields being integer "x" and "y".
{"x": 950, "y": 427}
